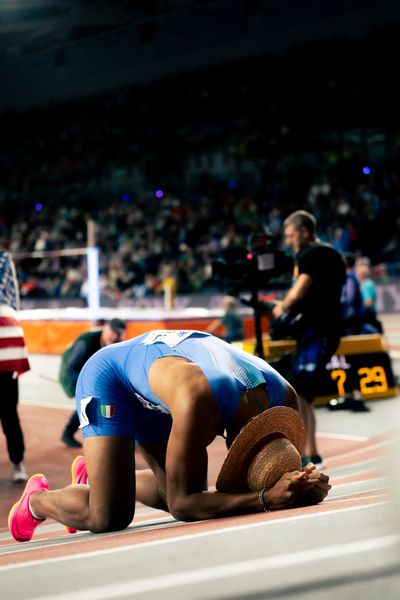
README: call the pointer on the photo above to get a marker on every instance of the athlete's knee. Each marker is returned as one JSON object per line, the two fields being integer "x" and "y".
{"x": 111, "y": 521}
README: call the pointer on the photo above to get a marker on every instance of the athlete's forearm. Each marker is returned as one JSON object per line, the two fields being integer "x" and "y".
{"x": 296, "y": 488}
{"x": 212, "y": 505}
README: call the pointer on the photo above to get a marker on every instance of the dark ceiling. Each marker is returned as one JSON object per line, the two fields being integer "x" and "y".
{"x": 28, "y": 26}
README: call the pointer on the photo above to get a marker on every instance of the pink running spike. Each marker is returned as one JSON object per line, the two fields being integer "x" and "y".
{"x": 20, "y": 520}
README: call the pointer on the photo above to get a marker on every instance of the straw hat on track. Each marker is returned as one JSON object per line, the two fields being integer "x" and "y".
{"x": 269, "y": 445}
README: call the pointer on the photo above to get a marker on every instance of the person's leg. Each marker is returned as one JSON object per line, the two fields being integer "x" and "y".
{"x": 73, "y": 423}
{"x": 148, "y": 490}
{"x": 308, "y": 414}
{"x": 9, "y": 418}
{"x": 307, "y": 369}
{"x": 151, "y": 483}
{"x": 109, "y": 503}
{"x": 303, "y": 380}
{"x": 68, "y": 434}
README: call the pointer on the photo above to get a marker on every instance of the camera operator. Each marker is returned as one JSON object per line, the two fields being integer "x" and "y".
{"x": 319, "y": 274}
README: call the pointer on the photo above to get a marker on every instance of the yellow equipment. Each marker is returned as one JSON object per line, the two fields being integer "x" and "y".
{"x": 361, "y": 362}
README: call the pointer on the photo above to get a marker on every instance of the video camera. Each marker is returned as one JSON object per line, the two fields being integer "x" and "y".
{"x": 257, "y": 267}
{"x": 260, "y": 266}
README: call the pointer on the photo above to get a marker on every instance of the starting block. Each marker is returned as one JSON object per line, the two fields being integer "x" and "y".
{"x": 361, "y": 362}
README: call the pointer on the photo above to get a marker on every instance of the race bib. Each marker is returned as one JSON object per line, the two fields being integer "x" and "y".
{"x": 151, "y": 406}
{"x": 171, "y": 338}
{"x": 83, "y": 418}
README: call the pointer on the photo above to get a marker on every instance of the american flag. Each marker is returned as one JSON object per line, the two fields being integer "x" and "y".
{"x": 13, "y": 353}
{"x": 8, "y": 281}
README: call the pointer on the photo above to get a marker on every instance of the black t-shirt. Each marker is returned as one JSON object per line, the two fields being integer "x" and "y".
{"x": 321, "y": 306}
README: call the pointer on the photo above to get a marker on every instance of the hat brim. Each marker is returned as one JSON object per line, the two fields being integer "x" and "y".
{"x": 279, "y": 421}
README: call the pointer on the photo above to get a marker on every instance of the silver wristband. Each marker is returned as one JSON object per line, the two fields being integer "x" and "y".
{"x": 264, "y": 504}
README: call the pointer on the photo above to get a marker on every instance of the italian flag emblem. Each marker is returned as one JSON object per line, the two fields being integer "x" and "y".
{"x": 108, "y": 410}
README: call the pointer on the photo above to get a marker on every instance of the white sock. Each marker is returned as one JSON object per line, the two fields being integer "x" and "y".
{"x": 33, "y": 514}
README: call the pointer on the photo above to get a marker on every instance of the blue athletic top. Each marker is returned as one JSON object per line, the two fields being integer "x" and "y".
{"x": 116, "y": 379}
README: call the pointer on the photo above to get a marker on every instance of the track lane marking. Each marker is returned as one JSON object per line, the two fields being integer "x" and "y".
{"x": 213, "y": 527}
{"x": 343, "y": 436}
{"x": 212, "y": 573}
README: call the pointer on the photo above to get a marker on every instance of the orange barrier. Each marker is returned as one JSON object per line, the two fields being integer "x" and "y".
{"x": 52, "y": 337}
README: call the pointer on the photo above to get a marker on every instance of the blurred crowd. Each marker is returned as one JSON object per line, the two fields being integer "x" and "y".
{"x": 147, "y": 240}
{"x": 121, "y": 159}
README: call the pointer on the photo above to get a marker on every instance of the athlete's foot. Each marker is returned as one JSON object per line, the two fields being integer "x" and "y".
{"x": 21, "y": 522}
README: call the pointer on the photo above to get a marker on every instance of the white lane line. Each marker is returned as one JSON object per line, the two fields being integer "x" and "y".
{"x": 361, "y": 450}
{"x": 214, "y": 573}
{"x": 337, "y": 471}
{"x": 343, "y": 436}
{"x": 363, "y": 475}
{"x": 359, "y": 487}
{"x": 152, "y": 520}
{"x": 79, "y": 536}
{"x": 361, "y": 483}
{"x": 341, "y": 500}
{"x": 28, "y": 546}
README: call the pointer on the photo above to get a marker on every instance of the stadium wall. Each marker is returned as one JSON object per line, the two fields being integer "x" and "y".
{"x": 50, "y": 331}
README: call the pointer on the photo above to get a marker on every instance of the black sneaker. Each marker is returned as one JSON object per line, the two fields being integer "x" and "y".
{"x": 70, "y": 441}
{"x": 358, "y": 405}
{"x": 318, "y": 461}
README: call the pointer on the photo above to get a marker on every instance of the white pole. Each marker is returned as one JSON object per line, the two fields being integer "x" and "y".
{"x": 93, "y": 297}
{"x": 93, "y": 278}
